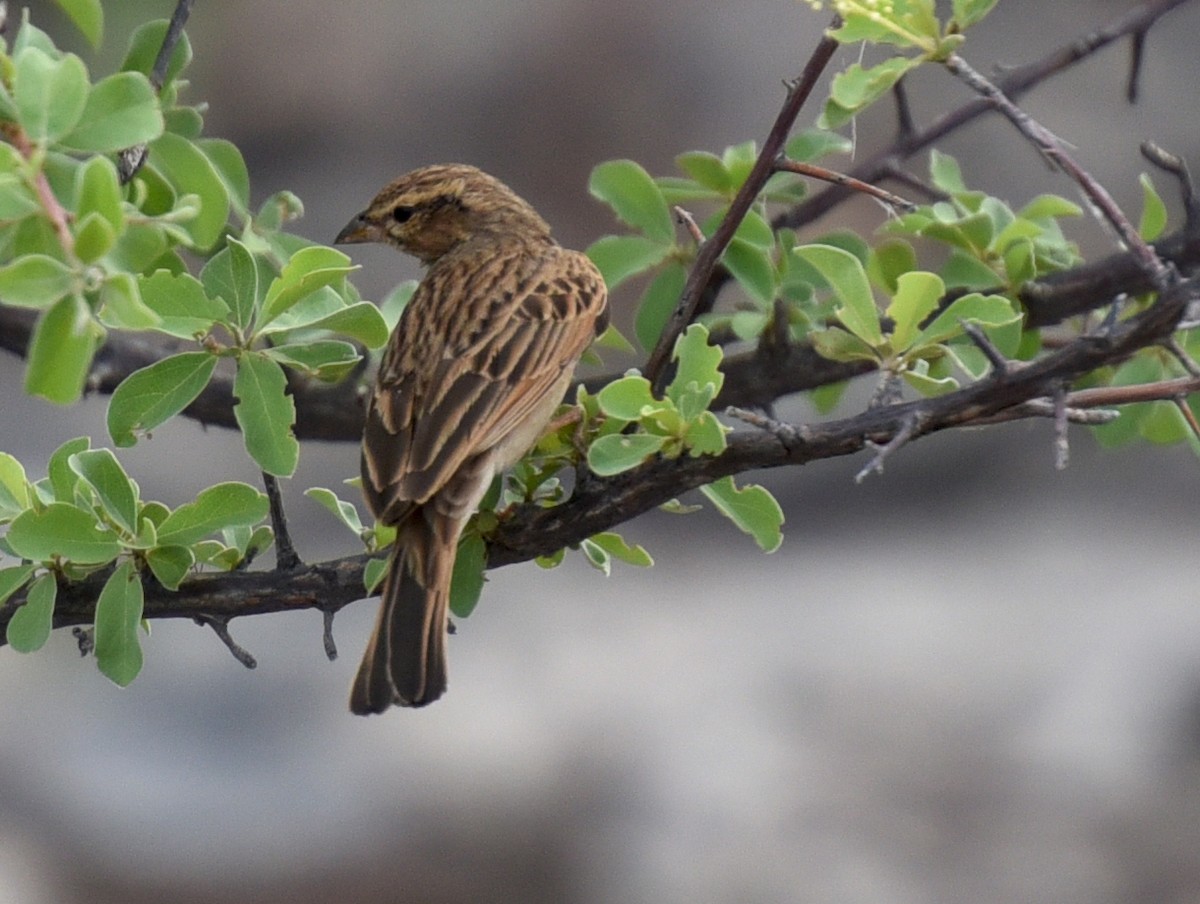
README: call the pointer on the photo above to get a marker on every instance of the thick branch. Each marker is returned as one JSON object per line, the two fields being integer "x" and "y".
{"x": 600, "y": 504}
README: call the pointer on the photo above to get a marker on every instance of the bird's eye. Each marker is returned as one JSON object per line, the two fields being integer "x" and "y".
{"x": 402, "y": 213}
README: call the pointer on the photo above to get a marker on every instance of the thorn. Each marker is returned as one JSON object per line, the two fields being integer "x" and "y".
{"x": 1000, "y": 364}
{"x": 907, "y": 431}
{"x": 220, "y": 627}
{"x": 787, "y": 434}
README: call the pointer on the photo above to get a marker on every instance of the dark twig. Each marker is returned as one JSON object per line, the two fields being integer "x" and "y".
{"x": 1137, "y": 50}
{"x": 975, "y": 333}
{"x": 286, "y": 557}
{"x": 1177, "y": 167}
{"x": 220, "y": 627}
{"x": 908, "y": 430}
{"x": 906, "y": 126}
{"x": 331, "y": 651}
{"x": 688, "y": 222}
{"x": 710, "y": 252}
{"x": 784, "y": 165}
{"x": 1050, "y": 145}
{"x": 130, "y": 160}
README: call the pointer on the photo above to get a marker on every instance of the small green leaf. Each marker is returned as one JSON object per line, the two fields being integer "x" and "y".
{"x": 29, "y": 627}
{"x": 705, "y": 435}
{"x": 94, "y": 238}
{"x": 846, "y": 276}
{"x": 35, "y": 281}
{"x": 698, "y": 378}
{"x": 232, "y": 276}
{"x": 965, "y": 271}
{"x": 628, "y": 189}
{"x": 122, "y": 305}
{"x": 340, "y": 508}
{"x": 326, "y": 310}
{"x": 751, "y": 266}
{"x": 917, "y": 294}
{"x": 189, "y": 170}
{"x": 60, "y": 352}
{"x": 888, "y": 261}
{"x": 658, "y": 301}
{"x": 97, "y": 190}
{"x": 13, "y": 579}
{"x": 752, "y": 509}
{"x": 50, "y": 94}
{"x": 266, "y": 414}
{"x": 220, "y": 506}
{"x": 63, "y": 479}
{"x": 145, "y": 45}
{"x": 619, "y": 452}
{"x": 156, "y": 393}
{"x": 614, "y": 544}
{"x": 856, "y": 88}
{"x": 596, "y": 556}
{"x": 14, "y": 488}
{"x": 61, "y": 530}
{"x": 121, "y": 111}
{"x": 88, "y": 16}
{"x": 707, "y": 169}
{"x": 308, "y": 270}
{"x": 118, "y": 616}
{"x": 618, "y": 257}
{"x": 968, "y": 12}
{"x": 627, "y": 398}
{"x": 231, "y": 167}
{"x": 813, "y": 144}
{"x": 990, "y": 310}
{"x": 467, "y": 580}
{"x": 325, "y": 359}
{"x": 1154, "y": 211}
{"x": 1049, "y": 207}
{"x": 117, "y": 492}
{"x": 183, "y": 308}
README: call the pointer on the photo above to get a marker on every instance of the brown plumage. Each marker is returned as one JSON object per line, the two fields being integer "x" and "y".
{"x": 481, "y": 357}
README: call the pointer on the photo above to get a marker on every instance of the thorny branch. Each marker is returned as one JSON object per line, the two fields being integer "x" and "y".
{"x": 1033, "y": 389}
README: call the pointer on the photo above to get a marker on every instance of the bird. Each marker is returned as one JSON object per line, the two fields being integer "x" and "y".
{"x": 470, "y": 377}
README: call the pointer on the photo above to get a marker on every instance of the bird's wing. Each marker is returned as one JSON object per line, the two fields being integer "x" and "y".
{"x": 480, "y": 350}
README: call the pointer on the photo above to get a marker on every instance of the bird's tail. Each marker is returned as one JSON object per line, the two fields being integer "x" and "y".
{"x": 405, "y": 661}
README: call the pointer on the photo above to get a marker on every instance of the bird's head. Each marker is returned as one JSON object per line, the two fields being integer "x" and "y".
{"x": 431, "y": 210}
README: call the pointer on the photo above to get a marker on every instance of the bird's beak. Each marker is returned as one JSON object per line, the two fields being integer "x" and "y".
{"x": 359, "y": 230}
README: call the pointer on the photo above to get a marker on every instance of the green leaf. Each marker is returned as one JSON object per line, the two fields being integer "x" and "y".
{"x": 121, "y": 111}
{"x": 122, "y": 304}
{"x": 846, "y": 276}
{"x": 29, "y": 628}
{"x": 467, "y": 580}
{"x": 989, "y": 310}
{"x": 97, "y": 190}
{"x": 308, "y": 270}
{"x": 157, "y": 392}
{"x": 266, "y": 414}
{"x": 856, "y": 88}
{"x": 968, "y": 12}
{"x": 118, "y": 617}
{"x": 324, "y": 310}
{"x": 220, "y": 506}
{"x": 1049, "y": 207}
{"x": 813, "y": 144}
{"x": 94, "y": 238}
{"x": 751, "y": 266}
{"x": 698, "y": 378}
{"x": 88, "y": 16}
{"x": 63, "y": 479}
{"x": 373, "y": 573}
{"x": 838, "y": 345}
{"x": 917, "y": 294}
{"x": 614, "y": 544}
{"x": 232, "y": 276}
{"x": 183, "y": 308}
{"x": 628, "y": 189}
{"x": 965, "y": 271}
{"x": 707, "y": 169}
{"x": 888, "y": 261}
{"x": 61, "y": 530}
{"x": 60, "y": 353}
{"x": 14, "y": 488}
{"x": 231, "y": 167}
{"x": 596, "y": 556}
{"x": 619, "y": 452}
{"x": 658, "y": 301}
{"x": 752, "y": 509}
{"x": 190, "y": 171}
{"x": 50, "y": 94}
{"x": 35, "y": 281}
{"x": 145, "y": 44}
{"x": 13, "y": 579}
{"x": 325, "y": 359}
{"x": 619, "y": 257}
{"x": 1154, "y": 211}
{"x": 705, "y": 435}
{"x": 341, "y": 509}
{"x": 628, "y": 398}
{"x": 116, "y": 491}
{"x": 945, "y": 173}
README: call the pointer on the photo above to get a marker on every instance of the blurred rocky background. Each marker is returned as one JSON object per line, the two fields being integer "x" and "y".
{"x": 970, "y": 679}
